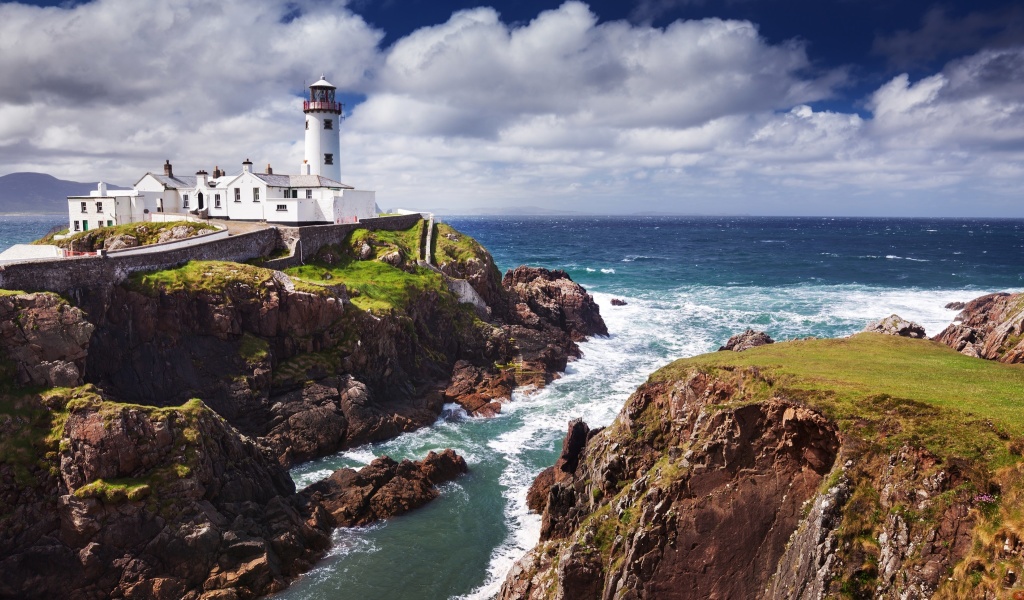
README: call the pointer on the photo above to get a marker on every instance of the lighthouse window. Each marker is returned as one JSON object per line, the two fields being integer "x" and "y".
{"x": 307, "y": 124}
{"x": 328, "y": 159}
{"x": 255, "y": 194}
{"x": 328, "y": 124}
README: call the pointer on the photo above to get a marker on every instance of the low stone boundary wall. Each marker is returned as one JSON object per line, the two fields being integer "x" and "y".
{"x": 65, "y": 275}
{"x": 69, "y": 275}
{"x": 307, "y": 241}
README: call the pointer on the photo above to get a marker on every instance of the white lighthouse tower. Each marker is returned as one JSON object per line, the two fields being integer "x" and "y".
{"x": 323, "y": 116}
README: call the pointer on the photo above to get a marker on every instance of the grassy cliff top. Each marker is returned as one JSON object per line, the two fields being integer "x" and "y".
{"x": 887, "y": 389}
{"x": 199, "y": 276}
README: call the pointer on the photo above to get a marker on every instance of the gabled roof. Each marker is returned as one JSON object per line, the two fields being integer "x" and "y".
{"x": 183, "y": 182}
{"x": 300, "y": 181}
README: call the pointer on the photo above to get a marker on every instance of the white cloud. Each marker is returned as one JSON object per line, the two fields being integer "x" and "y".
{"x": 563, "y": 111}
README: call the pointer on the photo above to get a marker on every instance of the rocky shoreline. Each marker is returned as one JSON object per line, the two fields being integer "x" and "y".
{"x": 149, "y": 425}
{"x": 733, "y": 476}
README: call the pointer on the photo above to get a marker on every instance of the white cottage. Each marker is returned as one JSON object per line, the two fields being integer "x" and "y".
{"x": 314, "y": 196}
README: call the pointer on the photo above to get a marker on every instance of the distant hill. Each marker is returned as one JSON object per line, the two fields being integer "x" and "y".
{"x": 39, "y": 193}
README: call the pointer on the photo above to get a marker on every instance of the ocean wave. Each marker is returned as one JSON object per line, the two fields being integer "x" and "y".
{"x": 608, "y": 271}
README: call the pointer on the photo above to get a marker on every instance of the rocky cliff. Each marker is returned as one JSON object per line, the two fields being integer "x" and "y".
{"x": 146, "y": 431}
{"x": 990, "y": 327}
{"x": 853, "y": 468}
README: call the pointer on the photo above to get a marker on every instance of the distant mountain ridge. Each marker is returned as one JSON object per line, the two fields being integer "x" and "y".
{"x": 39, "y": 193}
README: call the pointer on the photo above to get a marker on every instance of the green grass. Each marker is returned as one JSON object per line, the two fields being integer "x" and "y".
{"x": 407, "y": 241}
{"x": 146, "y": 233}
{"x": 252, "y": 349}
{"x": 461, "y": 249}
{"x": 200, "y": 276}
{"x": 888, "y": 387}
{"x": 11, "y": 292}
{"x": 47, "y": 240}
{"x": 377, "y": 286}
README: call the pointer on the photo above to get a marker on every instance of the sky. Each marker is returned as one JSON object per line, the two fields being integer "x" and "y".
{"x": 706, "y": 107}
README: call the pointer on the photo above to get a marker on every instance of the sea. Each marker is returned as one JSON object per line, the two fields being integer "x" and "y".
{"x": 689, "y": 283}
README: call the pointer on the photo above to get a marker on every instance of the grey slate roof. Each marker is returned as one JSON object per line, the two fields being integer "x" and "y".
{"x": 301, "y": 181}
{"x": 185, "y": 181}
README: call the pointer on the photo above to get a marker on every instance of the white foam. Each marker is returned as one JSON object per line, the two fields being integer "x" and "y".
{"x": 608, "y": 271}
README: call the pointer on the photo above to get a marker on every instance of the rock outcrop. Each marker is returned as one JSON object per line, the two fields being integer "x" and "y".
{"x": 44, "y": 340}
{"x": 724, "y": 483}
{"x": 747, "y": 340}
{"x": 175, "y": 503}
{"x": 384, "y": 488}
{"x": 895, "y": 325}
{"x": 990, "y": 327}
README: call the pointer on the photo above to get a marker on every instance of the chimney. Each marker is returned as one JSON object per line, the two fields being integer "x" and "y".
{"x": 217, "y": 173}
{"x": 102, "y": 189}
{"x": 269, "y": 170}
{"x": 247, "y": 166}
{"x": 168, "y": 170}
{"x": 201, "y": 177}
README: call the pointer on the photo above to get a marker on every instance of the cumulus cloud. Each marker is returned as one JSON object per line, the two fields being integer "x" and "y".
{"x": 474, "y": 113}
{"x": 133, "y": 82}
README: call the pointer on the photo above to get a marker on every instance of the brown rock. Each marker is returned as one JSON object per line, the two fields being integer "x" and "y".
{"x": 894, "y": 325}
{"x": 46, "y": 339}
{"x": 747, "y": 340}
{"x": 384, "y": 488}
{"x": 990, "y": 327}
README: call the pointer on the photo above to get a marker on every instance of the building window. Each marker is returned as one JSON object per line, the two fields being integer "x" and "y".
{"x": 282, "y": 208}
{"x": 255, "y": 194}
{"x": 84, "y": 208}
{"x": 78, "y": 226}
{"x": 216, "y": 200}
{"x": 184, "y": 200}
{"x": 110, "y": 223}
{"x": 99, "y": 207}
{"x": 238, "y": 194}
{"x": 328, "y": 124}
{"x": 328, "y": 159}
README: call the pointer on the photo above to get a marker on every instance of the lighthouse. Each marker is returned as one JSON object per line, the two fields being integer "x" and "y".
{"x": 323, "y": 116}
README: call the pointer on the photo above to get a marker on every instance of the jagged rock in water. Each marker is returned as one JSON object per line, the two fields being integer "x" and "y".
{"x": 990, "y": 327}
{"x": 539, "y": 295}
{"x": 894, "y": 325}
{"x": 955, "y": 305}
{"x": 618, "y": 302}
{"x": 747, "y": 340}
{"x": 384, "y": 488}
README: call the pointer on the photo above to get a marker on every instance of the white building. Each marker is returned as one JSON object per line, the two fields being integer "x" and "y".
{"x": 314, "y": 196}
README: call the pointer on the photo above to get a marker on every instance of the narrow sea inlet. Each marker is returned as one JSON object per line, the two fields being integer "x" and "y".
{"x": 689, "y": 283}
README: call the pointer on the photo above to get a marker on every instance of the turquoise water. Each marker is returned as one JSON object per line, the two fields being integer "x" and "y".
{"x": 689, "y": 284}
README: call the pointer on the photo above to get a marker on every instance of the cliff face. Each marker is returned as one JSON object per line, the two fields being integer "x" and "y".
{"x": 990, "y": 327}
{"x": 163, "y": 476}
{"x": 734, "y": 476}
{"x": 43, "y": 340}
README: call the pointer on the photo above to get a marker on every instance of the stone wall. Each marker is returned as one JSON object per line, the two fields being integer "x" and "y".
{"x": 66, "y": 275}
{"x": 70, "y": 276}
